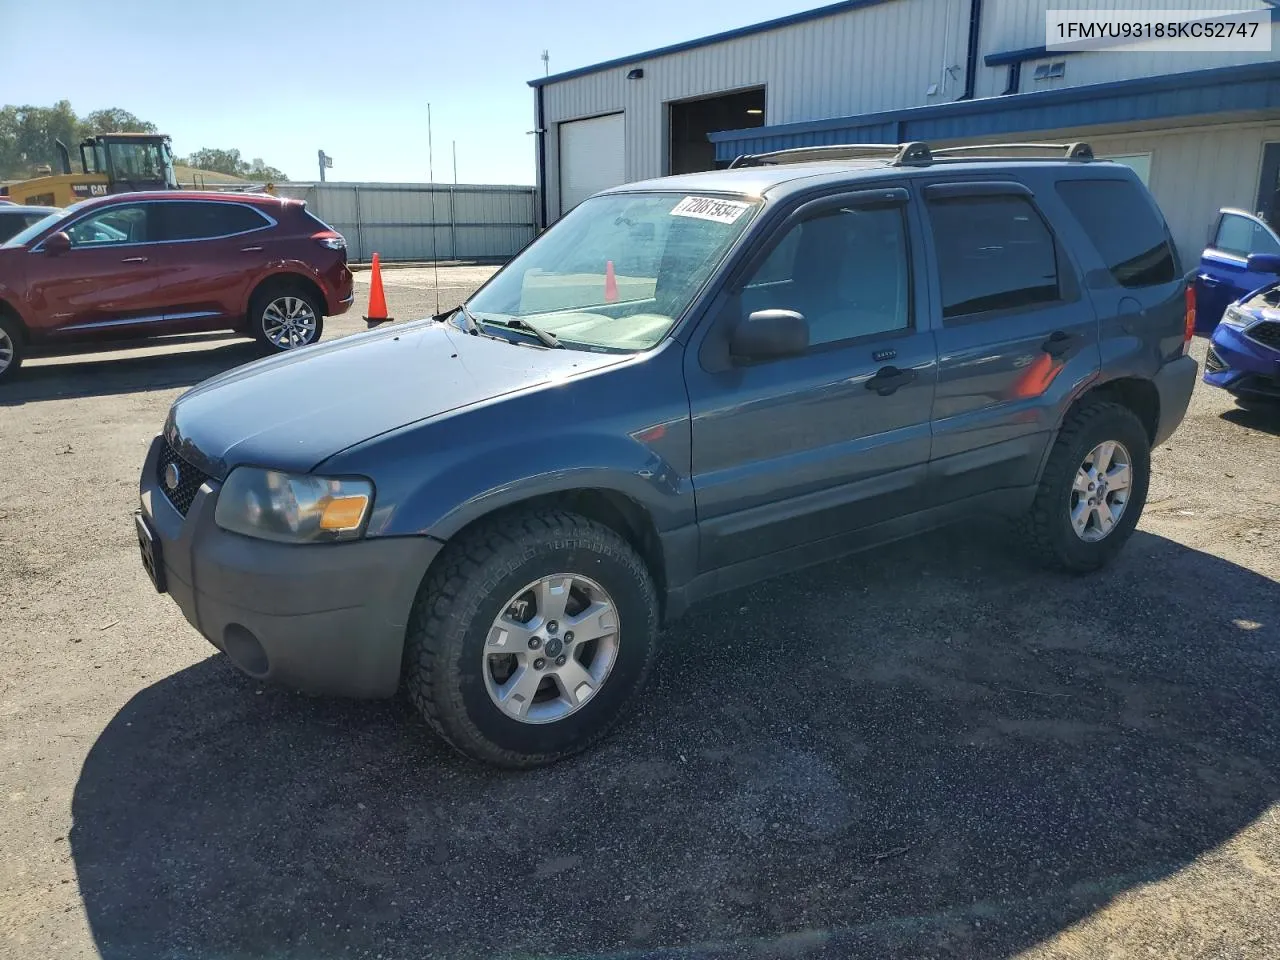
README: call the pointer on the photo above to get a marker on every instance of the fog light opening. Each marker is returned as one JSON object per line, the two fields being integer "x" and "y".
{"x": 244, "y": 650}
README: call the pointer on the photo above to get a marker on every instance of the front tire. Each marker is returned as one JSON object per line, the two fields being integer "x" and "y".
{"x": 1092, "y": 491}
{"x": 284, "y": 317}
{"x": 11, "y": 347}
{"x": 530, "y": 637}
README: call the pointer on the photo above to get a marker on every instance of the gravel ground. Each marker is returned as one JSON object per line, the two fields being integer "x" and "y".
{"x": 928, "y": 751}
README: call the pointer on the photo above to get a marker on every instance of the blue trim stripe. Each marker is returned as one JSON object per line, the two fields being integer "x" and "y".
{"x": 1249, "y": 87}
{"x": 787, "y": 21}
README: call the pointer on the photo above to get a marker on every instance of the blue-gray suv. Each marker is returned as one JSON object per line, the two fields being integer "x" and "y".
{"x": 685, "y": 386}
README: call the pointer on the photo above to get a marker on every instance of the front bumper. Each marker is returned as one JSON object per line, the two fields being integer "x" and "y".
{"x": 1242, "y": 366}
{"x": 325, "y": 618}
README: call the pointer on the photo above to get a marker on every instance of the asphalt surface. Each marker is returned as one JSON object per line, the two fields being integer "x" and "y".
{"x": 928, "y": 751}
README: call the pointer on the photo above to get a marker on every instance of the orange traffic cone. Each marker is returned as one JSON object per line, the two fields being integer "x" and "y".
{"x": 377, "y": 300}
{"x": 610, "y": 283}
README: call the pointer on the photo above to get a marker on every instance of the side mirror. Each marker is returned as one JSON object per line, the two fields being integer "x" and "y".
{"x": 1264, "y": 263}
{"x": 768, "y": 334}
{"x": 57, "y": 243}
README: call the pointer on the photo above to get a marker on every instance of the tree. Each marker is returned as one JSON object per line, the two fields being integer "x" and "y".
{"x": 27, "y": 135}
{"x": 232, "y": 163}
{"x": 115, "y": 120}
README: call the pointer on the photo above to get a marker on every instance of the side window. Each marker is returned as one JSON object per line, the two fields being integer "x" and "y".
{"x": 845, "y": 271}
{"x": 1124, "y": 229}
{"x": 1243, "y": 236}
{"x": 125, "y": 224}
{"x": 994, "y": 253}
{"x": 196, "y": 220}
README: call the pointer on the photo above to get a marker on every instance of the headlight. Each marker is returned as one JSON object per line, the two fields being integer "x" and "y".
{"x": 1235, "y": 317}
{"x": 293, "y": 509}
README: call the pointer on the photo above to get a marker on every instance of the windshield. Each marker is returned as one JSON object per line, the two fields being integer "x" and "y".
{"x": 141, "y": 161}
{"x": 619, "y": 270}
{"x": 22, "y": 238}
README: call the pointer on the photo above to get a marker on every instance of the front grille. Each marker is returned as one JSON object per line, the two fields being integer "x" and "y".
{"x": 1214, "y": 363}
{"x": 189, "y": 478}
{"x": 1266, "y": 333}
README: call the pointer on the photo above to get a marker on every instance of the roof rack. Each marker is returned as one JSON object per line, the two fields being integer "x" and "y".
{"x": 898, "y": 154}
{"x": 1063, "y": 151}
{"x": 916, "y": 153}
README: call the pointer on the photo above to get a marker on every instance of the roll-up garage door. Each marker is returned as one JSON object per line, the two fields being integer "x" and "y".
{"x": 592, "y": 157}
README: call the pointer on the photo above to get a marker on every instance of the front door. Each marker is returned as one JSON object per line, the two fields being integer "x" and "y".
{"x": 1224, "y": 275}
{"x": 107, "y": 281}
{"x": 1014, "y": 331}
{"x": 796, "y": 450}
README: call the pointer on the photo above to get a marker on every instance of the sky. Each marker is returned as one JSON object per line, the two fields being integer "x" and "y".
{"x": 281, "y": 80}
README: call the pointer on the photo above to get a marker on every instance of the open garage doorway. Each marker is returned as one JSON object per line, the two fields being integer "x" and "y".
{"x": 692, "y": 120}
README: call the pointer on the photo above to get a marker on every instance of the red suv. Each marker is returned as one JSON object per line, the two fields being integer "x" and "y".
{"x": 149, "y": 264}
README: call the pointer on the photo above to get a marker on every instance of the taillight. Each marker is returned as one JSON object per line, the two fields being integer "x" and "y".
{"x": 333, "y": 241}
{"x": 1189, "y": 330}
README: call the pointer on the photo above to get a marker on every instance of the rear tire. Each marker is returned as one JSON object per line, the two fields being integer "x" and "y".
{"x": 284, "y": 316}
{"x": 1050, "y": 528}
{"x": 12, "y": 345}
{"x": 460, "y": 617}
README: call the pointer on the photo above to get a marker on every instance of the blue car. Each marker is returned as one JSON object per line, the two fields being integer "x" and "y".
{"x": 1244, "y": 351}
{"x": 1226, "y": 272}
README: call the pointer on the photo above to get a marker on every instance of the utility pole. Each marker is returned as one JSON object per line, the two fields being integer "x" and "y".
{"x": 455, "y": 163}
{"x": 546, "y": 63}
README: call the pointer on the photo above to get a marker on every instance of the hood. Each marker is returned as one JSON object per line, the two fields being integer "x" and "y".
{"x": 295, "y": 410}
{"x": 1263, "y": 303}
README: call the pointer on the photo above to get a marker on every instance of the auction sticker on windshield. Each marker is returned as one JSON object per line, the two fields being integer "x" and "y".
{"x": 709, "y": 208}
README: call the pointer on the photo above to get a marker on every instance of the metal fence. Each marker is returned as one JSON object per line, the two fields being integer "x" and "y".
{"x": 422, "y": 221}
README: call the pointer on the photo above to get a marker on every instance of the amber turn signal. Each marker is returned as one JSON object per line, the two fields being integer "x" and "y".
{"x": 343, "y": 513}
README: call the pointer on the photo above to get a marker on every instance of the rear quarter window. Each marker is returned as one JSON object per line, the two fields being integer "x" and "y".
{"x": 1124, "y": 228}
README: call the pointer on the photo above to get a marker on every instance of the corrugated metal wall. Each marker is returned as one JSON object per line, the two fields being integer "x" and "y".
{"x": 419, "y": 221}
{"x": 808, "y": 70}
{"x": 1009, "y": 25}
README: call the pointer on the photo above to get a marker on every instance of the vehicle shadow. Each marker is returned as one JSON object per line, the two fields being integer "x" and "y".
{"x": 929, "y": 751}
{"x": 1264, "y": 419}
{"x": 93, "y": 374}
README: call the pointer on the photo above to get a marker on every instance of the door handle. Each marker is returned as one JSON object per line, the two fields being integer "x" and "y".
{"x": 250, "y": 249}
{"x": 134, "y": 260}
{"x": 889, "y": 379}
{"x": 1059, "y": 344}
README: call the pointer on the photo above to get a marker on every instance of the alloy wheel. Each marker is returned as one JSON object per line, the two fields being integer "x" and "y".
{"x": 1100, "y": 491}
{"x": 6, "y": 350}
{"x": 551, "y": 649}
{"x": 289, "y": 322}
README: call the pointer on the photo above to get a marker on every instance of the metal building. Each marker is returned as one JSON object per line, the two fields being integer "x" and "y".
{"x": 1203, "y": 129}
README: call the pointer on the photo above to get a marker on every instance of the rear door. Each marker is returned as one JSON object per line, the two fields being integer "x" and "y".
{"x": 1224, "y": 275}
{"x": 800, "y": 449}
{"x": 213, "y": 251}
{"x": 1014, "y": 333}
{"x": 107, "y": 281}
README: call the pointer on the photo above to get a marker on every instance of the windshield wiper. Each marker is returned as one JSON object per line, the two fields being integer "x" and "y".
{"x": 516, "y": 323}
